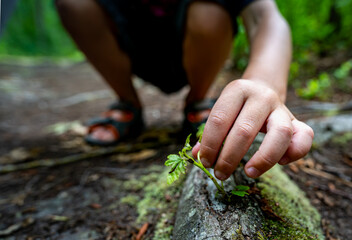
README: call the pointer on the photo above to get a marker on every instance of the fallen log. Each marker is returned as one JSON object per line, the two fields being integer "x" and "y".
{"x": 275, "y": 209}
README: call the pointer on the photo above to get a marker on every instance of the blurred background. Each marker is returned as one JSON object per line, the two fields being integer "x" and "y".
{"x": 48, "y": 91}
{"x": 321, "y": 33}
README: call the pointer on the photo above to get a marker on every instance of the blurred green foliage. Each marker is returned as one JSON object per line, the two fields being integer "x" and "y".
{"x": 343, "y": 72}
{"x": 240, "y": 47}
{"x": 316, "y": 88}
{"x": 322, "y": 87}
{"x": 318, "y": 26}
{"x": 34, "y": 29}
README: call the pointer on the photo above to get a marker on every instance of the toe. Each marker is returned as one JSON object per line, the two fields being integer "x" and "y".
{"x": 103, "y": 134}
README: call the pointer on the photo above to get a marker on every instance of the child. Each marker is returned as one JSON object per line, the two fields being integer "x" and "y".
{"x": 171, "y": 43}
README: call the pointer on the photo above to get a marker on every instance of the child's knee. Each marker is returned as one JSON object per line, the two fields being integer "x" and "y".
{"x": 207, "y": 19}
{"x": 69, "y": 8}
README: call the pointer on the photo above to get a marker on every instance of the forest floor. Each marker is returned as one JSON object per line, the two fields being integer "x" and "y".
{"x": 97, "y": 194}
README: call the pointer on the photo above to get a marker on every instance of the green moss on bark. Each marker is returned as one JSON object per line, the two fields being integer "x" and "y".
{"x": 302, "y": 220}
{"x": 159, "y": 202}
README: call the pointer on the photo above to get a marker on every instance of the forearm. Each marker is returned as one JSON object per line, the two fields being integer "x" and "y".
{"x": 270, "y": 41}
{"x": 259, "y": 104}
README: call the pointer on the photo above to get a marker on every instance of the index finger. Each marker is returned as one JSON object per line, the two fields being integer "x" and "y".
{"x": 220, "y": 121}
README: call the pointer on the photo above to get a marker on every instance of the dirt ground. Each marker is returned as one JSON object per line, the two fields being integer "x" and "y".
{"x": 42, "y": 112}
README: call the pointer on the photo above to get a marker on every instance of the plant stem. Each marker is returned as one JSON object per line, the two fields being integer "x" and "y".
{"x": 189, "y": 157}
{"x": 220, "y": 189}
{"x": 200, "y": 165}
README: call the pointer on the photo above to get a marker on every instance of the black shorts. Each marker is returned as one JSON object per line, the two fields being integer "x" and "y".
{"x": 154, "y": 43}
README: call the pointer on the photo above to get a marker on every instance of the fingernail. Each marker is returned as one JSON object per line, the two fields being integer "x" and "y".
{"x": 220, "y": 175}
{"x": 253, "y": 172}
{"x": 205, "y": 162}
{"x": 284, "y": 161}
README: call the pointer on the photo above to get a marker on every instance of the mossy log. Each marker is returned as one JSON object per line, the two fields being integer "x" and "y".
{"x": 275, "y": 209}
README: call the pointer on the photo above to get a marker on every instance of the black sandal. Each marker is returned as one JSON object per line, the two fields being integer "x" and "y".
{"x": 197, "y": 113}
{"x": 131, "y": 127}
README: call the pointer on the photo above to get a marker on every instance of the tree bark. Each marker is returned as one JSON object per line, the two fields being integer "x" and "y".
{"x": 202, "y": 215}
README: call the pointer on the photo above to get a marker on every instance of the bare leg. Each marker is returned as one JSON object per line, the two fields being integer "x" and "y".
{"x": 207, "y": 43}
{"x": 92, "y": 31}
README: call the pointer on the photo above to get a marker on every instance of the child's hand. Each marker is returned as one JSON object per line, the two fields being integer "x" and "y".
{"x": 243, "y": 109}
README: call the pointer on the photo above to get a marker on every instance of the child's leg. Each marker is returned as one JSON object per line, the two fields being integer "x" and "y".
{"x": 93, "y": 33}
{"x": 206, "y": 46}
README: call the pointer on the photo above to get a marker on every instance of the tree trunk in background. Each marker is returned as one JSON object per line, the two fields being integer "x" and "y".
{"x": 7, "y": 7}
{"x": 38, "y": 15}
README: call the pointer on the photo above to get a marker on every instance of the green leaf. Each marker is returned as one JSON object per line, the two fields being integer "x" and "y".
{"x": 178, "y": 166}
{"x": 200, "y": 131}
{"x": 239, "y": 193}
{"x": 187, "y": 146}
{"x": 172, "y": 177}
{"x": 171, "y": 159}
{"x": 175, "y": 173}
{"x": 241, "y": 188}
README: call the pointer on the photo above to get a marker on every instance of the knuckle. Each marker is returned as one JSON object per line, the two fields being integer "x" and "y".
{"x": 218, "y": 118}
{"x": 298, "y": 153}
{"x": 206, "y": 149}
{"x": 285, "y": 131}
{"x": 235, "y": 83}
{"x": 269, "y": 96}
{"x": 239, "y": 85}
{"x": 266, "y": 158}
{"x": 208, "y": 152}
{"x": 226, "y": 164}
{"x": 301, "y": 151}
{"x": 245, "y": 130}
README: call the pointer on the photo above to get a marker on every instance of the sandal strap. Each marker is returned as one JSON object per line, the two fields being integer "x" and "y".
{"x": 127, "y": 106}
{"x": 196, "y": 107}
{"x": 121, "y": 127}
{"x": 124, "y": 129}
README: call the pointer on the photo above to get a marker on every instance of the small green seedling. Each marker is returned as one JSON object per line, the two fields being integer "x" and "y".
{"x": 178, "y": 163}
{"x": 240, "y": 190}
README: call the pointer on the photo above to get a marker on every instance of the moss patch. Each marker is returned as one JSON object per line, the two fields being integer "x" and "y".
{"x": 133, "y": 185}
{"x": 343, "y": 139}
{"x": 130, "y": 199}
{"x": 302, "y": 220}
{"x": 159, "y": 201}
